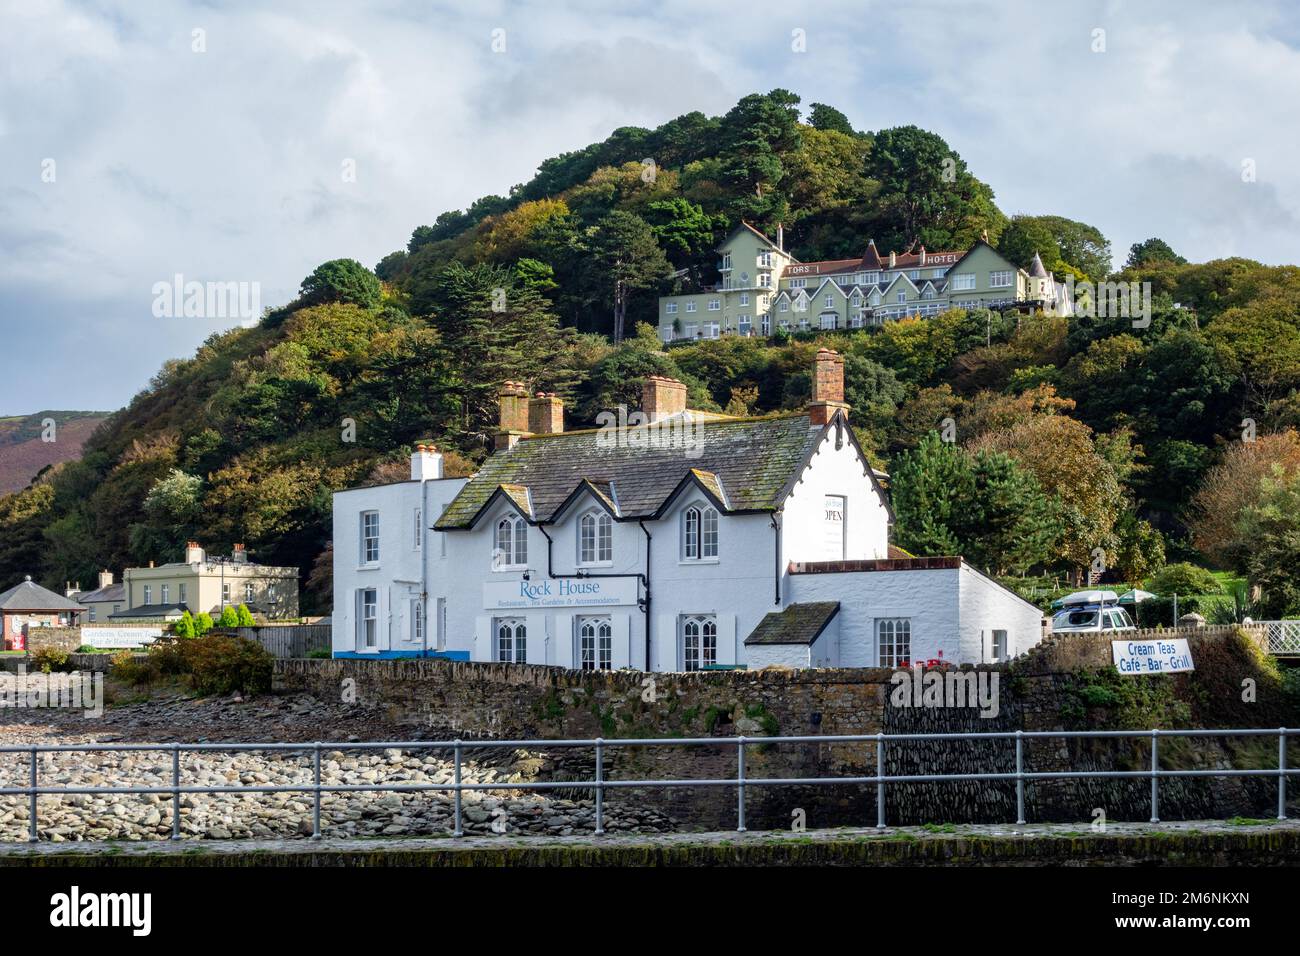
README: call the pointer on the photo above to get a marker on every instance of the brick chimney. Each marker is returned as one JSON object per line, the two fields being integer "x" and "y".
{"x": 662, "y": 397}
{"x": 426, "y": 462}
{"x": 827, "y": 387}
{"x": 545, "y": 414}
{"x": 238, "y": 555}
{"x": 512, "y": 402}
{"x": 193, "y": 555}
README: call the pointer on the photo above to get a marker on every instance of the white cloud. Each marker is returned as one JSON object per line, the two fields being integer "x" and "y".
{"x": 226, "y": 165}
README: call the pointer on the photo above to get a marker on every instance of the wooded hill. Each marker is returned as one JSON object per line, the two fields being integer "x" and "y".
{"x": 1073, "y": 438}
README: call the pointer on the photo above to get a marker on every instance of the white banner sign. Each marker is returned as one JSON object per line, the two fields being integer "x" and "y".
{"x": 120, "y": 636}
{"x": 560, "y": 592}
{"x": 1152, "y": 656}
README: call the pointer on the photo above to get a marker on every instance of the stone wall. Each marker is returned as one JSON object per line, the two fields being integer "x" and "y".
{"x": 62, "y": 638}
{"x": 1065, "y": 683}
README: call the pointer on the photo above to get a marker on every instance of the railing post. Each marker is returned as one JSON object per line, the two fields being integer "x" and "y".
{"x": 457, "y": 830}
{"x": 315, "y": 802}
{"x": 1281, "y": 776}
{"x": 880, "y": 781}
{"x": 740, "y": 780}
{"x": 600, "y": 785}
{"x": 31, "y": 803}
{"x": 1155, "y": 779}
{"x": 176, "y": 791}
{"x": 1020, "y": 778}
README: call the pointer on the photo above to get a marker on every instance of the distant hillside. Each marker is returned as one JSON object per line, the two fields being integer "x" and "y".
{"x": 22, "y": 452}
{"x": 1065, "y": 437}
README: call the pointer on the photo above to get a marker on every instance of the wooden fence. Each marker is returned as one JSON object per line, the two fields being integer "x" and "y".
{"x": 289, "y": 640}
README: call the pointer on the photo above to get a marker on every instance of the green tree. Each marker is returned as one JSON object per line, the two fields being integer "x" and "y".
{"x": 823, "y": 117}
{"x": 1273, "y": 526}
{"x": 1150, "y": 252}
{"x": 244, "y": 617}
{"x": 185, "y": 626}
{"x": 341, "y": 280}
{"x": 929, "y": 486}
{"x": 757, "y": 133}
{"x": 229, "y": 617}
{"x": 627, "y": 259}
{"x": 202, "y": 623}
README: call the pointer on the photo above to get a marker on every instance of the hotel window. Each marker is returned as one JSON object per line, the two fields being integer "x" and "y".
{"x": 367, "y": 618}
{"x": 766, "y": 325}
{"x": 914, "y": 274}
{"x": 710, "y": 330}
{"x": 830, "y": 300}
{"x": 744, "y": 298}
{"x": 902, "y": 297}
{"x": 743, "y": 325}
{"x": 785, "y": 305}
{"x": 699, "y": 533}
{"x": 715, "y": 305}
{"x": 963, "y": 281}
{"x": 928, "y": 294}
{"x": 856, "y": 321}
{"x": 894, "y": 641}
{"x": 938, "y": 273}
{"x": 857, "y": 300}
{"x": 417, "y": 621}
{"x": 417, "y": 533}
{"x": 595, "y": 538}
{"x": 248, "y": 592}
{"x": 726, "y": 262}
{"x": 699, "y": 642}
{"x": 511, "y": 546}
{"x": 829, "y": 321}
{"x": 595, "y": 644}
{"x": 999, "y": 645}
{"x": 148, "y": 594}
{"x": 798, "y": 283}
{"x": 512, "y": 640}
{"x": 166, "y": 593}
{"x": 181, "y": 597}
{"x": 370, "y": 537}
{"x": 671, "y": 308}
{"x": 765, "y": 258}
{"x": 1000, "y": 279}
{"x": 765, "y": 280}
{"x": 690, "y": 306}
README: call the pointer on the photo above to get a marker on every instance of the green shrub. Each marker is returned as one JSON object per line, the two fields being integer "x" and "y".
{"x": 202, "y": 624}
{"x": 218, "y": 664}
{"x": 320, "y": 653}
{"x": 185, "y": 627}
{"x": 48, "y": 659}
{"x": 243, "y": 616}
{"x": 1182, "y": 578}
{"x": 86, "y": 649}
{"x": 229, "y": 617}
{"x": 130, "y": 669}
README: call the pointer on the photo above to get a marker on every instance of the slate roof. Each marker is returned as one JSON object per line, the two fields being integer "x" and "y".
{"x": 112, "y": 592}
{"x": 746, "y": 463}
{"x": 797, "y": 624}
{"x": 29, "y": 596}
{"x": 152, "y": 610}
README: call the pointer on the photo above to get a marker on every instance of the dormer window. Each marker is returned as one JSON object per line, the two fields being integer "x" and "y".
{"x": 595, "y": 538}
{"x": 510, "y": 550}
{"x": 700, "y": 533}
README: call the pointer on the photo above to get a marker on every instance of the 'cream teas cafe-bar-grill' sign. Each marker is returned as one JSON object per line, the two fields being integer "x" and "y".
{"x": 1152, "y": 656}
{"x": 560, "y": 592}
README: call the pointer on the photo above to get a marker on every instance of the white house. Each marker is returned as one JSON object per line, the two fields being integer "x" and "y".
{"x": 677, "y": 541}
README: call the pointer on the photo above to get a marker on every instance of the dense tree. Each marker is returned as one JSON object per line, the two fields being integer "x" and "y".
{"x": 630, "y": 261}
{"x": 1152, "y": 251}
{"x": 823, "y": 117}
{"x": 341, "y": 280}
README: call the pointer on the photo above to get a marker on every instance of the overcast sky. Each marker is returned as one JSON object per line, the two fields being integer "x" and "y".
{"x": 226, "y": 163}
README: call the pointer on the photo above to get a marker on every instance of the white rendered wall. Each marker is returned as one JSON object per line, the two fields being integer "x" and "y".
{"x": 985, "y": 606}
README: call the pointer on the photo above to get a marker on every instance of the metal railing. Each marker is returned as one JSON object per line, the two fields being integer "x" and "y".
{"x": 599, "y": 783}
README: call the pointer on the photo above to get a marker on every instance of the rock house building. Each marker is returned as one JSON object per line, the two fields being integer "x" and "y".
{"x": 764, "y": 288}
{"x": 682, "y": 542}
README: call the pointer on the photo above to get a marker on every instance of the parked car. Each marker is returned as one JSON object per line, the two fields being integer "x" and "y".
{"x": 1091, "y": 612}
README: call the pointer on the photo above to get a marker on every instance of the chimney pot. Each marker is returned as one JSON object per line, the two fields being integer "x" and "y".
{"x": 512, "y": 401}
{"x": 426, "y": 463}
{"x": 545, "y": 414}
{"x": 662, "y": 397}
{"x": 827, "y": 387}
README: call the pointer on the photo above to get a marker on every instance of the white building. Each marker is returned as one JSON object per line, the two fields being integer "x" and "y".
{"x": 687, "y": 541}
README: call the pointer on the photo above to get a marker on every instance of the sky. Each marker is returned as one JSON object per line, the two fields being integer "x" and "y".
{"x": 232, "y": 142}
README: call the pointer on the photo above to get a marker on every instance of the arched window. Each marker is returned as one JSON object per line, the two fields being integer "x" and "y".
{"x": 699, "y": 642}
{"x": 595, "y": 644}
{"x": 699, "y": 533}
{"x": 894, "y": 641}
{"x": 512, "y": 640}
{"x": 595, "y": 538}
{"x": 510, "y": 550}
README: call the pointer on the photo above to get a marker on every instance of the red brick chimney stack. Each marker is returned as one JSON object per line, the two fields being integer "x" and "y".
{"x": 545, "y": 414}
{"x": 662, "y": 397}
{"x": 827, "y": 387}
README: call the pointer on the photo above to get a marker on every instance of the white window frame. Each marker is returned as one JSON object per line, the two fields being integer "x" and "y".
{"x": 148, "y": 594}
{"x": 367, "y": 619}
{"x": 595, "y": 538}
{"x": 1000, "y": 279}
{"x": 999, "y": 644}
{"x": 893, "y": 641}
{"x": 510, "y": 543}
{"x": 594, "y": 650}
{"x": 715, "y": 305}
{"x": 248, "y": 591}
{"x": 510, "y": 640}
{"x": 417, "y": 621}
{"x": 963, "y": 282}
{"x": 369, "y": 538}
{"x": 671, "y": 308}
{"x": 225, "y": 593}
{"x": 698, "y": 634}
{"x": 700, "y": 533}
{"x": 181, "y": 596}
{"x": 417, "y": 540}
{"x": 165, "y": 593}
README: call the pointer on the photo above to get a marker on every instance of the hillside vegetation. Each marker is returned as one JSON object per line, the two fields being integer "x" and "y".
{"x": 28, "y": 443}
{"x": 1075, "y": 443}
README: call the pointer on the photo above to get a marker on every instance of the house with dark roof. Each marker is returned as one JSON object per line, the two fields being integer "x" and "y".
{"x": 27, "y": 605}
{"x": 665, "y": 539}
{"x": 107, "y": 599}
{"x": 763, "y": 288}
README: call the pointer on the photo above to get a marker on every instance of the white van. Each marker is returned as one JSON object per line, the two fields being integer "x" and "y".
{"x": 1091, "y": 612}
